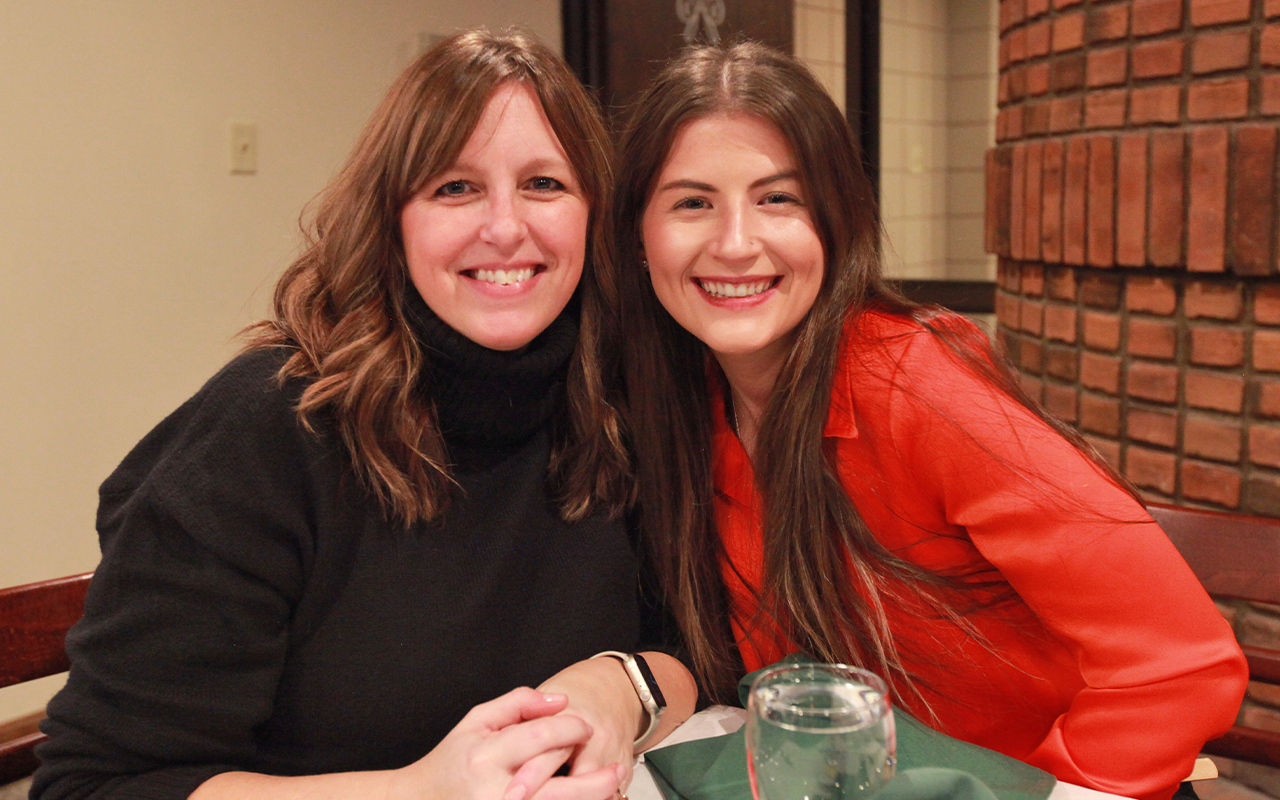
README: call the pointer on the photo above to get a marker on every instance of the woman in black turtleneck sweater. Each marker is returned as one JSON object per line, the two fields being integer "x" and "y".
{"x": 401, "y": 502}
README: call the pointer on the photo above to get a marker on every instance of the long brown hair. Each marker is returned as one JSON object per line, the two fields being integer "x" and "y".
{"x": 340, "y": 304}
{"x": 827, "y": 592}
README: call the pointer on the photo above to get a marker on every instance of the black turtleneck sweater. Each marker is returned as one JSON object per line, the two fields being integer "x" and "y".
{"x": 256, "y": 610}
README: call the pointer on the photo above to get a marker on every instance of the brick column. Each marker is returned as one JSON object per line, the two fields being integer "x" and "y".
{"x": 1131, "y": 198}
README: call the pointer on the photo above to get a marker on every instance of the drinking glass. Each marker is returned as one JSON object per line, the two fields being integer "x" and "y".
{"x": 819, "y": 732}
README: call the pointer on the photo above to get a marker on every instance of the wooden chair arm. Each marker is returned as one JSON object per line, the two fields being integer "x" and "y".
{"x": 1203, "y": 770}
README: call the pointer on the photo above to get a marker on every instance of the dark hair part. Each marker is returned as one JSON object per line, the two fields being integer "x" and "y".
{"x": 826, "y": 592}
{"x": 340, "y": 304}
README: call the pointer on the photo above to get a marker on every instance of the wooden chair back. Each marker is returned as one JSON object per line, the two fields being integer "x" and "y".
{"x": 34, "y": 620}
{"x": 1235, "y": 557}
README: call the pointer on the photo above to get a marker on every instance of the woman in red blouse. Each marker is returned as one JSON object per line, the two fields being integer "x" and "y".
{"x": 833, "y": 469}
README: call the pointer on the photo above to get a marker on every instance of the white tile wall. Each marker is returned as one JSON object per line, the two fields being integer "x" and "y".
{"x": 819, "y": 42}
{"x": 937, "y": 116}
{"x": 913, "y": 161}
{"x": 972, "y": 15}
{"x": 966, "y": 193}
{"x": 937, "y": 120}
{"x": 966, "y": 258}
{"x": 968, "y": 53}
{"x": 966, "y": 144}
{"x": 892, "y": 199}
{"x": 971, "y": 99}
{"x": 971, "y": 107}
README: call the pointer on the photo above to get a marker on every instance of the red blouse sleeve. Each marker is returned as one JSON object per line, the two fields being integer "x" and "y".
{"x": 1161, "y": 668}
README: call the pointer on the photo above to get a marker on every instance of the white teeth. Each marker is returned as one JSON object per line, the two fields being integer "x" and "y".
{"x": 718, "y": 289}
{"x": 504, "y": 276}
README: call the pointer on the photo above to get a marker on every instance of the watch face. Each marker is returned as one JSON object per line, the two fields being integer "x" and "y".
{"x": 649, "y": 681}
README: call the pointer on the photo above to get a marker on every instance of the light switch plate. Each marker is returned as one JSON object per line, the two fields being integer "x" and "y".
{"x": 243, "y": 143}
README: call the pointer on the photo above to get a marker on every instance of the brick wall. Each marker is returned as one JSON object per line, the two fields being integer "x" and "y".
{"x": 1172, "y": 377}
{"x": 1131, "y": 200}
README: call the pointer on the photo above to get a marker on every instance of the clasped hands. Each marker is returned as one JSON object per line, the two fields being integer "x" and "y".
{"x": 512, "y": 747}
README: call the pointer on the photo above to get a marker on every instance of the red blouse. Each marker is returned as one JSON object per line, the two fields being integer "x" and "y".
{"x": 1109, "y": 669}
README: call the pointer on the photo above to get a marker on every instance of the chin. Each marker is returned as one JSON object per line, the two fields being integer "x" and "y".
{"x": 505, "y": 340}
{"x": 503, "y": 345}
{"x": 735, "y": 348}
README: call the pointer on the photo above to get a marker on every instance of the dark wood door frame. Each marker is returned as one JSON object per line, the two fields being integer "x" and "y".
{"x": 583, "y": 26}
{"x": 862, "y": 80}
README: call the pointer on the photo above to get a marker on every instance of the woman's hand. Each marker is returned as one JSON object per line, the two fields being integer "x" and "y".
{"x": 509, "y": 749}
{"x": 505, "y": 749}
{"x": 600, "y": 694}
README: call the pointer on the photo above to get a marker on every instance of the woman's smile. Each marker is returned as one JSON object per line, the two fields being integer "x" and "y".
{"x": 504, "y": 276}
{"x": 732, "y": 289}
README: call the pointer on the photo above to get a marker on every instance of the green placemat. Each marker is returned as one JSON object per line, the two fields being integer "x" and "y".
{"x": 931, "y": 766}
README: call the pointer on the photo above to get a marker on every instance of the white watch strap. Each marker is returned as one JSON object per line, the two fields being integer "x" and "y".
{"x": 641, "y": 684}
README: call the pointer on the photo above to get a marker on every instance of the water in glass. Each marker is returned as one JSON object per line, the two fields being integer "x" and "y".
{"x": 819, "y": 732}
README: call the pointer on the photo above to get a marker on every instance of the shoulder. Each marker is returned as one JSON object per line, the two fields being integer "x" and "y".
{"x": 234, "y": 470}
{"x": 242, "y": 413}
{"x": 251, "y": 381}
{"x": 918, "y": 379}
{"x": 933, "y": 390}
{"x": 884, "y": 350}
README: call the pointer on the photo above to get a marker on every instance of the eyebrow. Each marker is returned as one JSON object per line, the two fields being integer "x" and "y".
{"x": 706, "y": 187}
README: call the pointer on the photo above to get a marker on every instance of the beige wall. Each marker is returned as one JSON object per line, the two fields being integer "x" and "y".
{"x": 129, "y": 257}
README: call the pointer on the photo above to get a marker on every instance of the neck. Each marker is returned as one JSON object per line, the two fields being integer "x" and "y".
{"x": 751, "y": 382}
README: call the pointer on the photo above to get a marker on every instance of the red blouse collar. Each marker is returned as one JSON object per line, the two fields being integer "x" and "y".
{"x": 731, "y": 469}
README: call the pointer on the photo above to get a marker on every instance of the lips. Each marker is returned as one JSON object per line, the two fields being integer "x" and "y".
{"x": 732, "y": 290}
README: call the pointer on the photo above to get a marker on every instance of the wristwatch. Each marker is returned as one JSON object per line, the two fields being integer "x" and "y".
{"x": 647, "y": 690}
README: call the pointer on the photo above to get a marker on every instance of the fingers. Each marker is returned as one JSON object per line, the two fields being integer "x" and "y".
{"x": 535, "y": 772}
{"x": 601, "y": 784}
{"x": 586, "y": 762}
{"x": 601, "y": 750}
{"x": 515, "y": 706}
{"x": 516, "y": 745}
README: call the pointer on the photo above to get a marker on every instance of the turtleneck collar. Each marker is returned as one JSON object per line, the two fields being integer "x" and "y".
{"x": 489, "y": 397}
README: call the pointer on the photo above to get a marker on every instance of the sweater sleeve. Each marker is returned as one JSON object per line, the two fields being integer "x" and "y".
{"x": 206, "y": 539}
{"x": 1163, "y": 672}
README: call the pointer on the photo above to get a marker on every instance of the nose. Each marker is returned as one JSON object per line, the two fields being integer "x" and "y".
{"x": 504, "y": 224}
{"x": 736, "y": 239}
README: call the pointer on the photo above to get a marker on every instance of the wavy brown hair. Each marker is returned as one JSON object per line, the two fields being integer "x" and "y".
{"x": 827, "y": 593}
{"x": 339, "y": 306}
